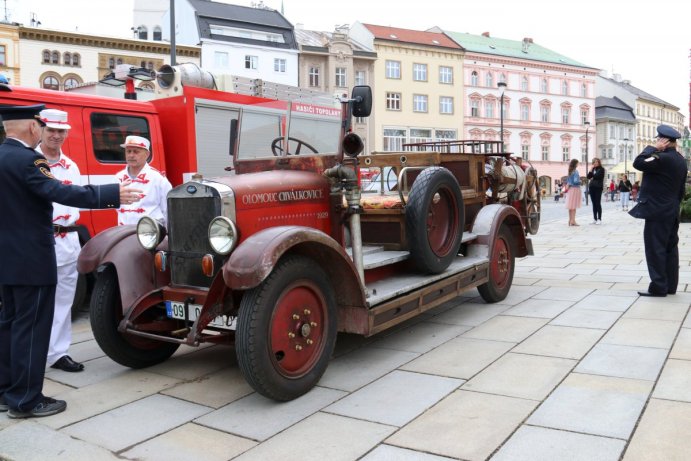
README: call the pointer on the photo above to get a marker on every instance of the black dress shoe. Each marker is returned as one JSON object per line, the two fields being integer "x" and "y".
{"x": 65, "y": 363}
{"x": 654, "y": 295}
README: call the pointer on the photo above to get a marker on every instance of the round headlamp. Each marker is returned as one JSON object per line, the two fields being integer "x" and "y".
{"x": 150, "y": 233}
{"x": 223, "y": 235}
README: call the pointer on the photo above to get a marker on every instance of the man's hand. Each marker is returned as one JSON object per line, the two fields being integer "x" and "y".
{"x": 129, "y": 195}
{"x": 661, "y": 144}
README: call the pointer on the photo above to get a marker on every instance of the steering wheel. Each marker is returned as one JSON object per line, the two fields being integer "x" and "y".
{"x": 278, "y": 150}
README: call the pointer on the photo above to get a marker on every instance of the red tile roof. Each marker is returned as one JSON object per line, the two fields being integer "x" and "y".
{"x": 419, "y": 37}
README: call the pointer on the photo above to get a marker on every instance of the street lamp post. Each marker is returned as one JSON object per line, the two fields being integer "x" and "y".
{"x": 502, "y": 87}
{"x": 587, "y": 126}
{"x": 626, "y": 157}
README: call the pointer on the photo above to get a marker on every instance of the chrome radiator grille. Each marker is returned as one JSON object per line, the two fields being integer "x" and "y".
{"x": 190, "y": 210}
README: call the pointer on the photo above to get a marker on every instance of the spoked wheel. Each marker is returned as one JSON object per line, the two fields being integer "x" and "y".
{"x": 501, "y": 267}
{"x": 106, "y": 314}
{"x": 286, "y": 330}
{"x": 434, "y": 220}
{"x": 532, "y": 203}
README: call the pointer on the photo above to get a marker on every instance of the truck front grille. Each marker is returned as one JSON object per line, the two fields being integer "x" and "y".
{"x": 189, "y": 215}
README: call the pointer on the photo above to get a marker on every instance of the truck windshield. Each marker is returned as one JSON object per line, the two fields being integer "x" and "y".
{"x": 312, "y": 130}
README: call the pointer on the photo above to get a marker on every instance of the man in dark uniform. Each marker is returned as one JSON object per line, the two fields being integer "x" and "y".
{"x": 28, "y": 271}
{"x": 661, "y": 193}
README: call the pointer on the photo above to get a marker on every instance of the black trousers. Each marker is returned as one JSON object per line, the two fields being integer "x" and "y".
{"x": 26, "y": 318}
{"x": 661, "y": 239}
{"x": 596, "y": 200}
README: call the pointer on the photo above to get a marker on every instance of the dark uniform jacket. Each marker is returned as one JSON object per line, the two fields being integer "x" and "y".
{"x": 664, "y": 180}
{"x": 27, "y": 193}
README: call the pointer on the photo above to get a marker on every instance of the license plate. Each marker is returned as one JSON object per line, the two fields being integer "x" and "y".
{"x": 176, "y": 310}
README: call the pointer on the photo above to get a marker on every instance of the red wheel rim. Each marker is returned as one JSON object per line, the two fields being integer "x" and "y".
{"x": 298, "y": 326}
{"x": 500, "y": 268}
{"x": 442, "y": 222}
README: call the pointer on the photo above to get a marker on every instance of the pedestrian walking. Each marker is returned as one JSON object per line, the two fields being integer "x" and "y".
{"x": 28, "y": 273}
{"x": 624, "y": 191}
{"x": 661, "y": 193}
{"x": 612, "y": 190}
{"x": 67, "y": 245}
{"x": 597, "y": 177}
{"x": 573, "y": 195}
{"x": 634, "y": 191}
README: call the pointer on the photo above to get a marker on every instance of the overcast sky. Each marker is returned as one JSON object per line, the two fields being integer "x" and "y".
{"x": 646, "y": 42}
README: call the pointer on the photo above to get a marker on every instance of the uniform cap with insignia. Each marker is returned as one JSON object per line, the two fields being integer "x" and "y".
{"x": 54, "y": 118}
{"x": 664, "y": 131}
{"x": 22, "y": 113}
{"x": 136, "y": 141}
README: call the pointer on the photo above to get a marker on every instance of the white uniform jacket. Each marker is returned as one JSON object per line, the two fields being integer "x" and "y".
{"x": 154, "y": 187}
{"x": 67, "y": 246}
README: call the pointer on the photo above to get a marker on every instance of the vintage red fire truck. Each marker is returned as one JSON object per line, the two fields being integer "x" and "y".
{"x": 284, "y": 247}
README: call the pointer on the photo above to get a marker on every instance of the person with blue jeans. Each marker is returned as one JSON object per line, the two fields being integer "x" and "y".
{"x": 624, "y": 192}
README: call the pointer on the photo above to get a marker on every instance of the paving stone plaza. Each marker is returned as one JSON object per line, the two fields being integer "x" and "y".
{"x": 572, "y": 365}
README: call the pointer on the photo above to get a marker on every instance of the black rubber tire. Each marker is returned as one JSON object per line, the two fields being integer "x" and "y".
{"x": 500, "y": 277}
{"x": 433, "y": 247}
{"x": 533, "y": 206}
{"x": 106, "y": 312}
{"x": 261, "y": 354}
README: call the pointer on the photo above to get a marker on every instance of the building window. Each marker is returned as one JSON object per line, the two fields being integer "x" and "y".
{"x": 584, "y": 90}
{"x": 565, "y": 88}
{"x": 543, "y": 85}
{"x": 341, "y": 77}
{"x": 442, "y": 135}
{"x": 502, "y": 79}
{"x": 360, "y": 77}
{"x": 71, "y": 82}
{"x": 46, "y": 57}
{"x": 111, "y": 63}
{"x": 419, "y": 103}
{"x": 445, "y": 74}
{"x": 524, "y": 84}
{"x": 474, "y": 78}
{"x": 474, "y": 108}
{"x": 157, "y": 34}
{"x": 489, "y": 80}
{"x": 445, "y": 105}
{"x": 50, "y": 83}
{"x": 143, "y": 33}
{"x": 279, "y": 65}
{"x": 314, "y": 76}
{"x": 544, "y": 114}
{"x": 150, "y": 65}
{"x": 525, "y": 111}
{"x": 220, "y": 59}
{"x": 525, "y": 151}
{"x": 420, "y": 135}
{"x": 565, "y": 154}
{"x": 612, "y": 131}
{"x": 3, "y": 61}
{"x": 545, "y": 153}
{"x": 119, "y": 61}
{"x": 584, "y": 116}
{"x": 420, "y": 72}
{"x": 393, "y": 101}
{"x": 393, "y": 69}
{"x": 394, "y": 139}
{"x": 76, "y": 59}
{"x": 55, "y": 57}
{"x": 489, "y": 109}
{"x": 67, "y": 58}
{"x": 251, "y": 62}
{"x": 565, "y": 115}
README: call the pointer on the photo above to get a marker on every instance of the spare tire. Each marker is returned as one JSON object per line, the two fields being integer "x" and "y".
{"x": 434, "y": 217}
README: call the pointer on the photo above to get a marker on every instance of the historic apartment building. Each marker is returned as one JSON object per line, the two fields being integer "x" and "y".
{"x": 57, "y": 60}
{"x": 616, "y": 137}
{"x": 331, "y": 63}
{"x": 417, "y": 85}
{"x": 548, "y": 98}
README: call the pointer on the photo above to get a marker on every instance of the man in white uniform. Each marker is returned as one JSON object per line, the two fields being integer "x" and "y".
{"x": 67, "y": 245}
{"x": 153, "y": 184}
